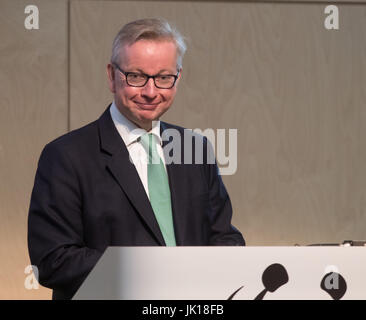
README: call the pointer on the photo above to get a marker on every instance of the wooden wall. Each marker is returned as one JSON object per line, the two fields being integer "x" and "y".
{"x": 33, "y": 110}
{"x": 294, "y": 91}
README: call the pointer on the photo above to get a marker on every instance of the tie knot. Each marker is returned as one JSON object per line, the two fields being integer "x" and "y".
{"x": 149, "y": 143}
{"x": 146, "y": 141}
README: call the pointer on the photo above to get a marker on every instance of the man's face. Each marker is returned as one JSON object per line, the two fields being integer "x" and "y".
{"x": 142, "y": 105}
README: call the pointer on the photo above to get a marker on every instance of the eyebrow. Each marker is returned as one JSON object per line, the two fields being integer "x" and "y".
{"x": 160, "y": 71}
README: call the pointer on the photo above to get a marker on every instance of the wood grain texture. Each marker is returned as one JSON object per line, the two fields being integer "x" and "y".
{"x": 253, "y": 1}
{"x": 294, "y": 91}
{"x": 33, "y": 111}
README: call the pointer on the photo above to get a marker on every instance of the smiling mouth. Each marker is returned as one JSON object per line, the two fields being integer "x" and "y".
{"x": 147, "y": 106}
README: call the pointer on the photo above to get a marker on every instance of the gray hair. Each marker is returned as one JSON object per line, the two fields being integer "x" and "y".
{"x": 148, "y": 29}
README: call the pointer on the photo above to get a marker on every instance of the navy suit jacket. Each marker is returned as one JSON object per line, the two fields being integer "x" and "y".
{"x": 87, "y": 195}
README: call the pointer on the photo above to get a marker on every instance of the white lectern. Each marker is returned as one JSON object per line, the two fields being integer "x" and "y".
{"x": 216, "y": 273}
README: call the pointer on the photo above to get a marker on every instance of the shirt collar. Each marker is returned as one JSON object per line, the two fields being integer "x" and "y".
{"x": 129, "y": 132}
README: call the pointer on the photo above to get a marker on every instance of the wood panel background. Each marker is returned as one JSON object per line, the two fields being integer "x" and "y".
{"x": 294, "y": 91}
{"x": 33, "y": 111}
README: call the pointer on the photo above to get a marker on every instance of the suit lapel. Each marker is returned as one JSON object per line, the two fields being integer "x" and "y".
{"x": 125, "y": 173}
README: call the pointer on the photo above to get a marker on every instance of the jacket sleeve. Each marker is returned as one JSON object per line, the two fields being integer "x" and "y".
{"x": 223, "y": 233}
{"x": 55, "y": 228}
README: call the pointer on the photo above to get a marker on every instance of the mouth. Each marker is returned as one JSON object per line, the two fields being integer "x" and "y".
{"x": 146, "y": 106}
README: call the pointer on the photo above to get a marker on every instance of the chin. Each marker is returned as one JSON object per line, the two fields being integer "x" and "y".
{"x": 149, "y": 116}
{"x": 143, "y": 122}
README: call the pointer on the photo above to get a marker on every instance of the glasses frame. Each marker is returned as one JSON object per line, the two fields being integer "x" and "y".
{"x": 147, "y": 77}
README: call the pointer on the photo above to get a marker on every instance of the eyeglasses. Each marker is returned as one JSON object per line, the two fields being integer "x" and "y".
{"x": 161, "y": 81}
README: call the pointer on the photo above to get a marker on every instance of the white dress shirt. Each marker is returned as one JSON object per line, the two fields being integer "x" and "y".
{"x": 131, "y": 134}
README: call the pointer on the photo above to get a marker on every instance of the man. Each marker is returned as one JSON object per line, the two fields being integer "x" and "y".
{"x": 94, "y": 188}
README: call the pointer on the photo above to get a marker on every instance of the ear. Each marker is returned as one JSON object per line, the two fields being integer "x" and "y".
{"x": 179, "y": 75}
{"x": 111, "y": 78}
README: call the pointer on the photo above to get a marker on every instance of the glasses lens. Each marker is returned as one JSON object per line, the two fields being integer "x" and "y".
{"x": 136, "y": 79}
{"x": 164, "y": 81}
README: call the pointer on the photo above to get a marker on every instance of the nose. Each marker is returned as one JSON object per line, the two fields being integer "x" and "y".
{"x": 149, "y": 90}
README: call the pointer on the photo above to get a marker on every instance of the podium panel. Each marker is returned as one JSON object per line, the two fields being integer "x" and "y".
{"x": 221, "y": 273}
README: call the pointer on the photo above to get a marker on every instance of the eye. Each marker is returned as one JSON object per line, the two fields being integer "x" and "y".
{"x": 165, "y": 78}
{"x": 136, "y": 76}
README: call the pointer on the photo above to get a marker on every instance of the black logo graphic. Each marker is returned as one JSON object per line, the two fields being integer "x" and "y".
{"x": 235, "y": 292}
{"x": 273, "y": 277}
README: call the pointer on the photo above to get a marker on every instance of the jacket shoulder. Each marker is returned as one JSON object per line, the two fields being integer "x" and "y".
{"x": 78, "y": 138}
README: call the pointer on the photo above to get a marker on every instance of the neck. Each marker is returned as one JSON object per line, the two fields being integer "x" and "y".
{"x": 146, "y": 126}
{"x": 143, "y": 125}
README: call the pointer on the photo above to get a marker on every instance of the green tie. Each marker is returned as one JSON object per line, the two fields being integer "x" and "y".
{"x": 159, "y": 191}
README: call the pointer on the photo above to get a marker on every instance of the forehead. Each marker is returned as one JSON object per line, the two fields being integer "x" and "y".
{"x": 150, "y": 55}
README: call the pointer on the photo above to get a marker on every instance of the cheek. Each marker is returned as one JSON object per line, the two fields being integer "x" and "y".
{"x": 127, "y": 93}
{"x": 169, "y": 96}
